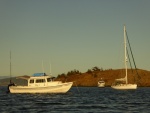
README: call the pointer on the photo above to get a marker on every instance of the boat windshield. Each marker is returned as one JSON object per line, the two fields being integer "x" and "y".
{"x": 32, "y": 81}
{"x": 101, "y": 82}
{"x": 40, "y": 80}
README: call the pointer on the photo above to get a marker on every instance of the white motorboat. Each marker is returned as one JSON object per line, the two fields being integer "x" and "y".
{"x": 101, "y": 83}
{"x": 122, "y": 83}
{"x": 40, "y": 83}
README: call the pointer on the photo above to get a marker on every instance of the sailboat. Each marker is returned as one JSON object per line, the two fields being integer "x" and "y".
{"x": 122, "y": 83}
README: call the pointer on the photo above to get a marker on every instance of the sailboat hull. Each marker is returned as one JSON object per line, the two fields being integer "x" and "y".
{"x": 125, "y": 86}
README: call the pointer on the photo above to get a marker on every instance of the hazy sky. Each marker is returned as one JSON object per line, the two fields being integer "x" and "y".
{"x": 71, "y": 34}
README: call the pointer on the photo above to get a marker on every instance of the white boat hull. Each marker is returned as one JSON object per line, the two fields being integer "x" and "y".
{"x": 58, "y": 88}
{"x": 101, "y": 84}
{"x": 125, "y": 86}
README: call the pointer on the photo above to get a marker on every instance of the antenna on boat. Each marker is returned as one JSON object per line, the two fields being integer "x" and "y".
{"x": 10, "y": 66}
{"x": 42, "y": 66}
{"x": 50, "y": 68}
{"x": 11, "y": 83}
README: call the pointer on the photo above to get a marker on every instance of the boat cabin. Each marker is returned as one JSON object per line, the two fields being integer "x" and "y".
{"x": 38, "y": 79}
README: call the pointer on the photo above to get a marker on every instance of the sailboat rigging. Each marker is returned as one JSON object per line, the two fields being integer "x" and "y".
{"x": 119, "y": 83}
{"x": 132, "y": 56}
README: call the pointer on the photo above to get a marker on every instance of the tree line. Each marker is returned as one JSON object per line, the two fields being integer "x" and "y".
{"x": 74, "y": 72}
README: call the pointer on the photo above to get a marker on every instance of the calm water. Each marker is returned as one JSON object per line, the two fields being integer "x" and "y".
{"x": 78, "y": 100}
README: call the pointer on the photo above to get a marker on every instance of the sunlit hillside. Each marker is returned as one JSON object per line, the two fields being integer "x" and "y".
{"x": 91, "y": 77}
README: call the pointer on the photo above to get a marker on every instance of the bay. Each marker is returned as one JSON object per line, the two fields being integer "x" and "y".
{"x": 78, "y": 100}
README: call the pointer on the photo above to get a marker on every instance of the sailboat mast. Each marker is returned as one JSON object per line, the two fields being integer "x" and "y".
{"x": 125, "y": 50}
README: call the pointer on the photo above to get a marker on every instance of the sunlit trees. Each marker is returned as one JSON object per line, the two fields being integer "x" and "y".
{"x": 73, "y": 72}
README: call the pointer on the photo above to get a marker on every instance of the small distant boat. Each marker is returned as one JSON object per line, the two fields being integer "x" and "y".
{"x": 101, "y": 83}
{"x": 122, "y": 83}
{"x": 41, "y": 83}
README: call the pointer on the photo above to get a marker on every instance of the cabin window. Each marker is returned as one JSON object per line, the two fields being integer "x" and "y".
{"x": 31, "y": 81}
{"x": 49, "y": 79}
{"x": 40, "y": 80}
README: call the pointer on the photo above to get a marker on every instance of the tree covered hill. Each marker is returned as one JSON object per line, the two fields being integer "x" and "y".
{"x": 91, "y": 77}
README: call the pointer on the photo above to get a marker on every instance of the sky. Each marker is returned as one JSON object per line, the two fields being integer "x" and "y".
{"x": 71, "y": 34}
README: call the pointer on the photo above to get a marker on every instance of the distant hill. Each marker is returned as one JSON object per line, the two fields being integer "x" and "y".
{"x": 6, "y": 81}
{"x": 3, "y": 77}
{"x": 91, "y": 77}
